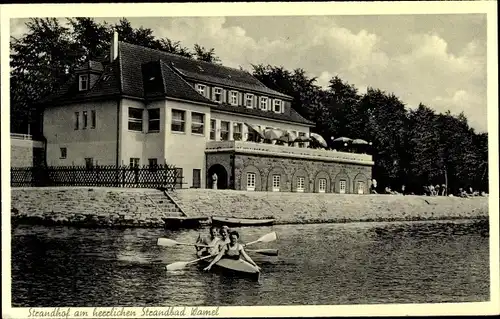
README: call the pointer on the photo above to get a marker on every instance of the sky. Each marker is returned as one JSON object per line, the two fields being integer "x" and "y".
{"x": 435, "y": 59}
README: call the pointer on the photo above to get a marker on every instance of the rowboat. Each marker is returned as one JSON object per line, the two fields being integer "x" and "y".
{"x": 232, "y": 267}
{"x": 241, "y": 222}
{"x": 176, "y": 222}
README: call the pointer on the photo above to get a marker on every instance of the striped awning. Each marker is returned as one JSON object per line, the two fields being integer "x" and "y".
{"x": 273, "y": 134}
{"x": 288, "y": 136}
{"x": 319, "y": 139}
{"x": 256, "y": 129}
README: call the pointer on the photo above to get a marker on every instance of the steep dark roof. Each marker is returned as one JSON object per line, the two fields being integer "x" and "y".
{"x": 133, "y": 56}
{"x": 108, "y": 85}
{"x": 145, "y": 73}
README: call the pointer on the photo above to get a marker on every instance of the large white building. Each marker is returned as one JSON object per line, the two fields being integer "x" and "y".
{"x": 145, "y": 107}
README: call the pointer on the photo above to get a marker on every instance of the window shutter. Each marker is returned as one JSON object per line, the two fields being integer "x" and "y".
{"x": 240, "y": 98}
{"x": 224, "y": 96}
{"x": 269, "y": 103}
{"x": 256, "y": 101}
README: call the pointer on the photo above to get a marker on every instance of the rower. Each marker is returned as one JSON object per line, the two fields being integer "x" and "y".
{"x": 210, "y": 241}
{"x": 232, "y": 250}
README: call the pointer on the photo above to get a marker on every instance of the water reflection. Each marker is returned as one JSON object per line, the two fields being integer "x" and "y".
{"x": 318, "y": 264}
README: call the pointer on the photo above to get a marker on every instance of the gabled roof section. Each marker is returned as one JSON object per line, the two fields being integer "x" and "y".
{"x": 107, "y": 85}
{"x": 133, "y": 56}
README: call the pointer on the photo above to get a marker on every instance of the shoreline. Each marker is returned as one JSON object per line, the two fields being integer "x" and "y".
{"x": 93, "y": 207}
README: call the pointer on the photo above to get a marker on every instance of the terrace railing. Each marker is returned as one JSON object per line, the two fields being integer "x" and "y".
{"x": 158, "y": 176}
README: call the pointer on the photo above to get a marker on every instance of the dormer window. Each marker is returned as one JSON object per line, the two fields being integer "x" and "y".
{"x": 217, "y": 95}
{"x": 233, "y": 98}
{"x": 201, "y": 89}
{"x": 83, "y": 82}
{"x": 263, "y": 103}
{"x": 278, "y": 106}
{"x": 249, "y": 100}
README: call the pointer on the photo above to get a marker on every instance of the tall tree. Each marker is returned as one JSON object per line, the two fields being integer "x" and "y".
{"x": 89, "y": 38}
{"x": 207, "y": 55}
{"x": 174, "y": 47}
{"x": 41, "y": 61}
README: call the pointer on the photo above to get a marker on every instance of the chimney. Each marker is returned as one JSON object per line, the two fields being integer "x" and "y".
{"x": 114, "y": 47}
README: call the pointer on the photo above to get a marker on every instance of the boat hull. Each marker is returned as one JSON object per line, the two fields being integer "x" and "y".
{"x": 184, "y": 222}
{"x": 234, "y": 268}
{"x": 240, "y": 222}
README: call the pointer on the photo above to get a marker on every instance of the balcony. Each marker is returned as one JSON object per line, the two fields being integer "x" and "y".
{"x": 287, "y": 151}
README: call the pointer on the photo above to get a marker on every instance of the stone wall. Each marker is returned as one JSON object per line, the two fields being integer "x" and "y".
{"x": 119, "y": 207}
{"x": 291, "y": 169}
{"x": 84, "y": 206}
{"x": 26, "y": 153}
{"x": 290, "y": 208}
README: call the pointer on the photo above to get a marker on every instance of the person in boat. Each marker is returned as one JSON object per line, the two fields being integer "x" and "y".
{"x": 223, "y": 239}
{"x": 233, "y": 250}
{"x": 212, "y": 240}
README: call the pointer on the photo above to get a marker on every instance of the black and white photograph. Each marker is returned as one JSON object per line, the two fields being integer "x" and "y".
{"x": 180, "y": 160}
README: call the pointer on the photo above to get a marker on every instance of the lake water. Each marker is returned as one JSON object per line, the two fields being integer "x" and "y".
{"x": 330, "y": 264}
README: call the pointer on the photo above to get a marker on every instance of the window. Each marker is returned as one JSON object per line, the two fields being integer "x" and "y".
{"x": 154, "y": 120}
{"x": 249, "y": 100}
{"x": 300, "y": 184}
{"x": 135, "y": 119}
{"x": 224, "y": 131}
{"x": 178, "y": 121}
{"x": 64, "y": 152}
{"x": 201, "y": 89}
{"x": 322, "y": 185}
{"x": 250, "y": 181}
{"x": 134, "y": 162}
{"x": 178, "y": 177}
{"x": 234, "y": 98}
{"x": 77, "y": 120}
{"x": 92, "y": 119}
{"x": 276, "y": 183}
{"x": 217, "y": 95}
{"x": 197, "y": 123}
{"x": 212, "y": 130}
{"x": 277, "y": 106}
{"x": 84, "y": 82}
{"x": 342, "y": 186}
{"x": 196, "y": 178}
{"x": 263, "y": 103}
{"x": 85, "y": 120}
{"x": 361, "y": 187}
{"x": 152, "y": 162}
{"x": 89, "y": 162}
{"x": 237, "y": 131}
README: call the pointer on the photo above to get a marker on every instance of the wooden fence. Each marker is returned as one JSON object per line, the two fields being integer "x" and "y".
{"x": 158, "y": 176}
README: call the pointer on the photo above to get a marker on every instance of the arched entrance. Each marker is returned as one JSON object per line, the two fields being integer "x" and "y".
{"x": 222, "y": 180}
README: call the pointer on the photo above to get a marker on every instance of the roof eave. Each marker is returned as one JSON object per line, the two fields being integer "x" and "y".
{"x": 263, "y": 117}
{"x": 278, "y": 94}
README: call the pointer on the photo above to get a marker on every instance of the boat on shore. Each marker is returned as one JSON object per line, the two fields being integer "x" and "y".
{"x": 241, "y": 222}
{"x": 178, "y": 222}
{"x": 232, "y": 267}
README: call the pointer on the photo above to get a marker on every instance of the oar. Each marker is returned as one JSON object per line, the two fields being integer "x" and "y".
{"x": 264, "y": 239}
{"x": 181, "y": 264}
{"x": 267, "y": 252}
{"x": 170, "y": 242}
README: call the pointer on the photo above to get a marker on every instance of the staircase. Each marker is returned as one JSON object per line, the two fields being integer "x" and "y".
{"x": 163, "y": 203}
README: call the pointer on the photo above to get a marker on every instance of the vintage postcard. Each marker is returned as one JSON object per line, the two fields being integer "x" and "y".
{"x": 249, "y": 159}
